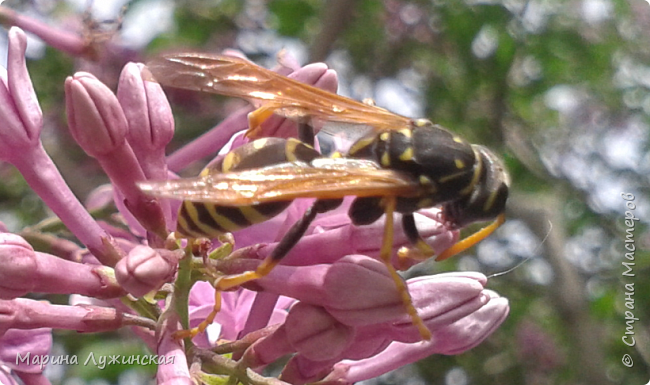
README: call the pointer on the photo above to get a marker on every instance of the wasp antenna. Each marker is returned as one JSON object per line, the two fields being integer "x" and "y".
{"x": 509, "y": 270}
{"x": 499, "y": 274}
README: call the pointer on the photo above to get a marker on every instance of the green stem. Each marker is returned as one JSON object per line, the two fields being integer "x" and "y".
{"x": 182, "y": 286}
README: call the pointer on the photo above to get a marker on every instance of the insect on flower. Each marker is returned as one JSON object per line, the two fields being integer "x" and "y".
{"x": 402, "y": 165}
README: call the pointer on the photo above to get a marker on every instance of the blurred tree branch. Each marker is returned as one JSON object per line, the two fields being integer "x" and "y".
{"x": 336, "y": 16}
{"x": 568, "y": 289}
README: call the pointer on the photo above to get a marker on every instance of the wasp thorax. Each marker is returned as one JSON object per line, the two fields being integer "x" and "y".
{"x": 422, "y": 123}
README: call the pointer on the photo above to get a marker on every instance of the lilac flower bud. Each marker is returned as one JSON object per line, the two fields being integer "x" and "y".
{"x": 371, "y": 297}
{"x": 149, "y": 118}
{"x": 315, "y": 334}
{"x": 145, "y": 269}
{"x": 174, "y": 370}
{"x": 26, "y": 271}
{"x": 470, "y": 331}
{"x": 150, "y": 122}
{"x": 98, "y": 124}
{"x": 37, "y": 342}
{"x": 23, "y": 313}
{"x": 455, "y": 338}
{"x": 374, "y": 355}
{"x": 21, "y": 118}
{"x": 96, "y": 119}
{"x": 21, "y": 121}
{"x": 316, "y": 74}
{"x": 65, "y": 41}
{"x": 358, "y": 291}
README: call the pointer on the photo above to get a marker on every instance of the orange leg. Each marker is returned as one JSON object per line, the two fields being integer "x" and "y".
{"x": 191, "y": 333}
{"x": 256, "y": 118}
{"x": 472, "y": 239}
{"x": 222, "y": 284}
{"x": 423, "y": 251}
{"x": 385, "y": 255}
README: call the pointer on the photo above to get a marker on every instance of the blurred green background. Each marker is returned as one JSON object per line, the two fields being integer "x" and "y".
{"x": 560, "y": 89}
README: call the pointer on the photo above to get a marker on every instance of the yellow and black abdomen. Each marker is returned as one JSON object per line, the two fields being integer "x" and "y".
{"x": 206, "y": 220}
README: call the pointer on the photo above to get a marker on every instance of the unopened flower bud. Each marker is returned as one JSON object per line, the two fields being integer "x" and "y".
{"x": 174, "y": 370}
{"x": 23, "y": 313}
{"x": 96, "y": 119}
{"x": 69, "y": 42}
{"x": 146, "y": 269}
{"x": 25, "y": 271}
{"x": 316, "y": 334}
{"x": 149, "y": 117}
{"x": 21, "y": 118}
{"x": 454, "y": 338}
{"x": 316, "y": 74}
{"x": 15, "y": 342}
{"x": 21, "y": 122}
{"x": 98, "y": 124}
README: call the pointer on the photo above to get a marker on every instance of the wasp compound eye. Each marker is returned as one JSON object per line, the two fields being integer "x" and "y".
{"x": 489, "y": 196}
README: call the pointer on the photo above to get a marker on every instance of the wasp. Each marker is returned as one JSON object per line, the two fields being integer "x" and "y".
{"x": 402, "y": 165}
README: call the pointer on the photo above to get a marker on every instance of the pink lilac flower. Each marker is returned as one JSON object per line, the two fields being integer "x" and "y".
{"x": 20, "y": 145}
{"x": 145, "y": 269}
{"x": 175, "y": 369}
{"x": 15, "y": 345}
{"x": 63, "y": 40}
{"x": 27, "y": 271}
{"x": 331, "y": 304}
{"x": 451, "y": 339}
{"x": 98, "y": 124}
{"x": 23, "y": 313}
{"x": 338, "y": 320}
{"x": 236, "y": 311}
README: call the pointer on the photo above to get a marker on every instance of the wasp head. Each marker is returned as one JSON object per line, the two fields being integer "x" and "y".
{"x": 488, "y": 197}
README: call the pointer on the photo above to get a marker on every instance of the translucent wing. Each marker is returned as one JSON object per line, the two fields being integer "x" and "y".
{"x": 324, "y": 178}
{"x": 233, "y": 76}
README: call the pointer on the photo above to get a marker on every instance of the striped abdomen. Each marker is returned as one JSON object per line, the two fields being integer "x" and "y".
{"x": 206, "y": 220}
